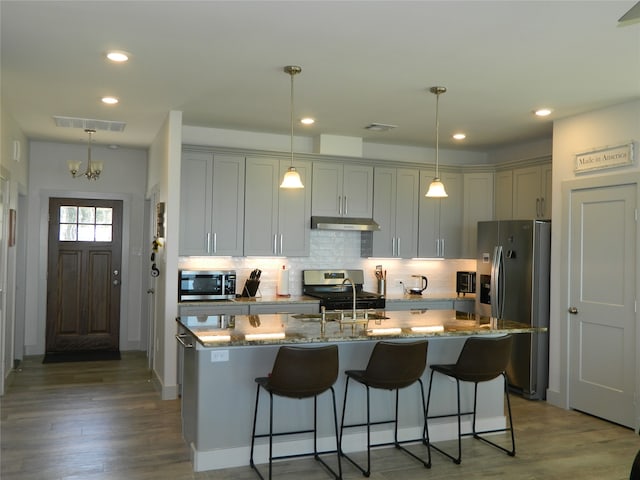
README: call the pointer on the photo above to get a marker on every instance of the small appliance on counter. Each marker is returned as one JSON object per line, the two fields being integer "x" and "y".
{"x": 420, "y": 285}
{"x": 202, "y": 286}
{"x": 465, "y": 282}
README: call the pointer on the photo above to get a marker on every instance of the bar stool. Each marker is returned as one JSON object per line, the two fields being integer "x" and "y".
{"x": 391, "y": 366}
{"x": 481, "y": 359}
{"x": 299, "y": 373}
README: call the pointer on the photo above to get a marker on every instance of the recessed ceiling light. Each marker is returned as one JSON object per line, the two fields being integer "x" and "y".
{"x": 118, "y": 56}
{"x": 543, "y": 112}
{"x": 307, "y": 121}
{"x": 459, "y": 136}
{"x": 109, "y": 100}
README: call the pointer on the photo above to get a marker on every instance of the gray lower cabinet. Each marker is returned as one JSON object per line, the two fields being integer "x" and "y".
{"x": 464, "y": 304}
{"x": 419, "y": 304}
{"x": 212, "y": 309}
{"x": 211, "y": 203}
{"x": 276, "y": 220}
{"x": 256, "y": 309}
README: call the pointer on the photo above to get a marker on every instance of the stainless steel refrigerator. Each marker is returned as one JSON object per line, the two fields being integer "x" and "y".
{"x": 513, "y": 280}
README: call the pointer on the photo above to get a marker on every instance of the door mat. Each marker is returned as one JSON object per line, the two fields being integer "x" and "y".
{"x": 81, "y": 356}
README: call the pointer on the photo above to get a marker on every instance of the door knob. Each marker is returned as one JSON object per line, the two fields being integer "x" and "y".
{"x": 573, "y": 310}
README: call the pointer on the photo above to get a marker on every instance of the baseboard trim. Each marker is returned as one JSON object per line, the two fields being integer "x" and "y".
{"x": 203, "y": 460}
{"x": 167, "y": 392}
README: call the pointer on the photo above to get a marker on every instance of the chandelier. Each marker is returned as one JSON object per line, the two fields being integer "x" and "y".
{"x": 94, "y": 169}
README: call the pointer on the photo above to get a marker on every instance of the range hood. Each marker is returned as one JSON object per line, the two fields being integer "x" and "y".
{"x": 344, "y": 223}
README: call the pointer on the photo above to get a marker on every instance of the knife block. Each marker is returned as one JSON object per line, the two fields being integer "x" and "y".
{"x": 250, "y": 288}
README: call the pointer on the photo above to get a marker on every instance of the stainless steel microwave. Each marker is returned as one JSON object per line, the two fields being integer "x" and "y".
{"x": 200, "y": 286}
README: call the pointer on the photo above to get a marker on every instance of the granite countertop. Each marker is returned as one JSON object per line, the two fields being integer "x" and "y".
{"x": 282, "y": 329}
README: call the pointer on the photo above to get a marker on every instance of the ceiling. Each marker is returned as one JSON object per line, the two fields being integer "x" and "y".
{"x": 221, "y": 64}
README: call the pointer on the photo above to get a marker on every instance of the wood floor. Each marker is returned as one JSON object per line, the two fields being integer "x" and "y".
{"x": 103, "y": 420}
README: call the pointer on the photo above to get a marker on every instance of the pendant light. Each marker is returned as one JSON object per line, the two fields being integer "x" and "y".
{"x": 292, "y": 177}
{"x": 436, "y": 189}
{"x": 94, "y": 169}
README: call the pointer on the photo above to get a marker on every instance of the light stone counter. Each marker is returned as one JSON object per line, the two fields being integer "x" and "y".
{"x": 281, "y": 329}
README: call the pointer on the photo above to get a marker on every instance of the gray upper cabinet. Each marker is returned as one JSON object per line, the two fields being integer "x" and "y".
{"x": 395, "y": 208}
{"x": 211, "y": 204}
{"x": 440, "y": 220}
{"x": 532, "y": 192}
{"x": 504, "y": 195}
{"x": 342, "y": 190}
{"x": 276, "y": 220}
{"x": 478, "y": 206}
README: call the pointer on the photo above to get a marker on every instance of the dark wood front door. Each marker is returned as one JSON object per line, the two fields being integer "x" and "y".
{"x": 84, "y": 274}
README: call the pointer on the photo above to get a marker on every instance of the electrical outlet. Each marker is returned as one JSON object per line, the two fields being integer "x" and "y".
{"x": 219, "y": 355}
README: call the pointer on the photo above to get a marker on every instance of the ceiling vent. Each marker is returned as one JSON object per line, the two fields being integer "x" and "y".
{"x": 88, "y": 123}
{"x": 380, "y": 127}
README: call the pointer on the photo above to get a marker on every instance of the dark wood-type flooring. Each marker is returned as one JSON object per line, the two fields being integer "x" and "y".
{"x": 104, "y": 420}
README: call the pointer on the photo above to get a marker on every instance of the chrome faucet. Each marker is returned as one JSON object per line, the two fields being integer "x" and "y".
{"x": 353, "y": 288}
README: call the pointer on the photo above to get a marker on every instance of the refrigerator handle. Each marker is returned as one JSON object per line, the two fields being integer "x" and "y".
{"x": 497, "y": 286}
{"x": 494, "y": 279}
{"x": 502, "y": 283}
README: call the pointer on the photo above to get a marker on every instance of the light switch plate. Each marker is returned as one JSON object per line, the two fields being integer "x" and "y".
{"x": 219, "y": 355}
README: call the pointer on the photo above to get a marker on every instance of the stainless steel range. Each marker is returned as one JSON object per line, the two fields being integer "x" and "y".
{"x": 336, "y": 289}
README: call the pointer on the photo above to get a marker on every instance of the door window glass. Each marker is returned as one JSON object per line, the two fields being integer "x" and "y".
{"x": 85, "y": 224}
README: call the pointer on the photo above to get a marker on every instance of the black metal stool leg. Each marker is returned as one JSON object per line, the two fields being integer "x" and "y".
{"x": 253, "y": 431}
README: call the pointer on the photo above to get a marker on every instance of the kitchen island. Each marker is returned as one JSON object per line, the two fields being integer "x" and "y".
{"x": 223, "y": 354}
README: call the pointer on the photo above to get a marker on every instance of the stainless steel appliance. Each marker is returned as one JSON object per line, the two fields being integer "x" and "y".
{"x": 335, "y": 291}
{"x": 200, "y": 286}
{"x": 513, "y": 278}
{"x": 465, "y": 282}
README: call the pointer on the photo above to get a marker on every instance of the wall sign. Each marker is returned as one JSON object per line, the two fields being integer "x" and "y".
{"x": 605, "y": 157}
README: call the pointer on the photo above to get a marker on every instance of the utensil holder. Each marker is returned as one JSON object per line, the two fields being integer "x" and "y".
{"x": 382, "y": 287}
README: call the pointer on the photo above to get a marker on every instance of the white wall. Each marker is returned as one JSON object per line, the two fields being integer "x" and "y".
{"x": 124, "y": 178}
{"x": 611, "y": 126}
{"x": 281, "y": 143}
{"x": 164, "y": 175}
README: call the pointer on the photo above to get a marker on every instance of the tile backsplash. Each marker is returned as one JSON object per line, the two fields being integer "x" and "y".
{"x": 337, "y": 249}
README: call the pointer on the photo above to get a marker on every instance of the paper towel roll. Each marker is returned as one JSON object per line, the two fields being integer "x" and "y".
{"x": 282, "y": 288}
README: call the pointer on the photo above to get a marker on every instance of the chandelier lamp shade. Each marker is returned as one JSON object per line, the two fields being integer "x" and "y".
{"x": 436, "y": 188}
{"x": 292, "y": 177}
{"x": 94, "y": 169}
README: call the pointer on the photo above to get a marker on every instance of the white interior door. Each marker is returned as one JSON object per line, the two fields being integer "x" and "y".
{"x": 602, "y": 295}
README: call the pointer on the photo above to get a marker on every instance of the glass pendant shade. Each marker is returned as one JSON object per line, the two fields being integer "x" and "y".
{"x": 291, "y": 179}
{"x": 436, "y": 189}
